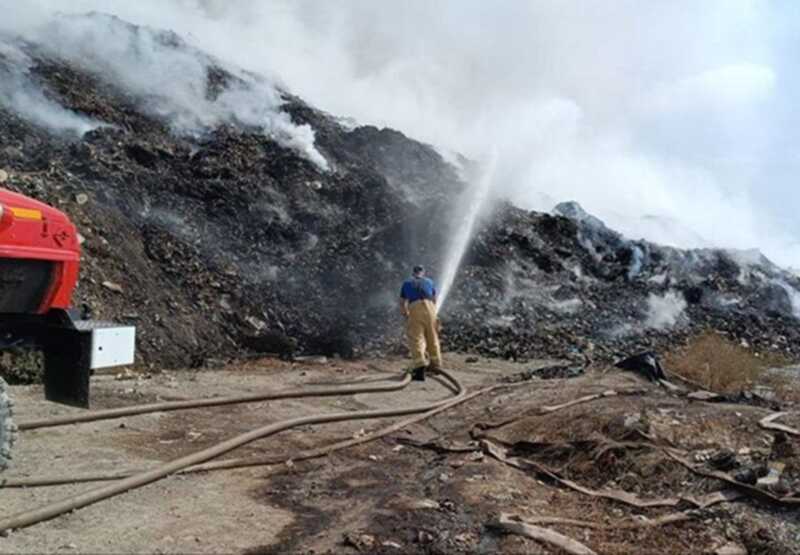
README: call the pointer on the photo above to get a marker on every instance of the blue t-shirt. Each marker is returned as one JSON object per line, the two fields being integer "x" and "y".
{"x": 415, "y": 289}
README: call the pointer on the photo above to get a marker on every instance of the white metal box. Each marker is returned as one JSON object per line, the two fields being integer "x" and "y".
{"x": 112, "y": 345}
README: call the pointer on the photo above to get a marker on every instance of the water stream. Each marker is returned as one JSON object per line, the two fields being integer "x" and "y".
{"x": 473, "y": 205}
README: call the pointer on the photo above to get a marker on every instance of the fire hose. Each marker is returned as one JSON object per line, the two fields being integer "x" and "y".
{"x": 93, "y": 416}
{"x": 72, "y": 503}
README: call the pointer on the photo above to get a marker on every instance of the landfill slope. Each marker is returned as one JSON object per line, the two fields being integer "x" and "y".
{"x": 231, "y": 239}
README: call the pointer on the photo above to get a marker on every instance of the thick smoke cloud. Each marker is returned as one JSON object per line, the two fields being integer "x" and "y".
{"x": 669, "y": 120}
{"x": 19, "y": 91}
{"x": 169, "y": 78}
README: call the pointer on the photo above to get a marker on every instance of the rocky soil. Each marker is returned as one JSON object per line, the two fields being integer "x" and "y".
{"x": 433, "y": 487}
{"x": 226, "y": 240}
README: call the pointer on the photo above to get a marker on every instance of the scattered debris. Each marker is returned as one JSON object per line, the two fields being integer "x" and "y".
{"x": 115, "y": 287}
{"x": 256, "y": 323}
{"x": 756, "y": 492}
{"x": 312, "y": 359}
{"x": 731, "y": 548}
{"x": 768, "y": 422}
{"x": 646, "y": 364}
{"x": 501, "y": 454}
{"x": 773, "y": 476}
{"x": 724, "y": 459}
{"x": 742, "y": 397}
{"x": 627, "y": 426}
{"x": 547, "y": 373}
{"x": 416, "y": 504}
{"x": 702, "y": 395}
{"x": 362, "y": 542}
{"x": 643, "y": 522}
{"x": 125, "y": 375}
{"x": 441, "y": 446}
{"x": 749, "y": 475}
{"x": 514, "y": 525}
{"x": 578, "y": 401}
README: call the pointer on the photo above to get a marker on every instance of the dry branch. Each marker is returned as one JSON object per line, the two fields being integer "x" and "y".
{"x": 579, "y": 400}
{"x": 670, "y": 518}
{"x": 509, "y": 523}
{"x": 747, "y": 488}
{"x": 767, "y": 422}
{"x": 500, "y": 453}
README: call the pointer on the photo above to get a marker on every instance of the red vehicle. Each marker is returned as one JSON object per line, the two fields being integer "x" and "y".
{"x": 39, "y": 256}
{"x": 39, "y": 265}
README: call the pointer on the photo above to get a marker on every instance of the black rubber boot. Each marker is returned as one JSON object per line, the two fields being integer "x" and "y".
{"x": 434, "y": 370}
{"x": 418, "y": 374}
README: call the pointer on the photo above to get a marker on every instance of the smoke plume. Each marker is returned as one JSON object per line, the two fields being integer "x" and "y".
{"x": 664, "y": 312}
{"x": 672, "y": 121}
{"x": 20, "y": 92}
{"x": 170, "y": 79}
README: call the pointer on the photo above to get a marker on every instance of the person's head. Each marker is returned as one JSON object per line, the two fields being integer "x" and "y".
{"x": 418, "y": 271}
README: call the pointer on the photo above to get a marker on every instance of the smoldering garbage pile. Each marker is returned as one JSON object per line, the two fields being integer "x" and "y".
{"x": 568, "y": 285}
{"x": 221, "y": 215}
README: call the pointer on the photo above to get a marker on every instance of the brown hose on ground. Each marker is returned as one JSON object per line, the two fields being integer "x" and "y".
{"x": 91, "y": 416}
{"x": 245, "y": 462}
{"x": 72, "y": 503}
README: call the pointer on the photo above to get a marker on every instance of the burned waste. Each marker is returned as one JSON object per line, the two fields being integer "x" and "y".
{"x": 236, "y": 225}
{"x": 228, "y": 236}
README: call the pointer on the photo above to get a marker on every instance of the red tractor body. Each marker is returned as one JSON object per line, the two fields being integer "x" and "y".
{"x": 39, "y": 263}
{"x": 39, "y": 252}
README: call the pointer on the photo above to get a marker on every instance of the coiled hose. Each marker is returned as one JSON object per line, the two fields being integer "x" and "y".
{"x": 72, "y": 503}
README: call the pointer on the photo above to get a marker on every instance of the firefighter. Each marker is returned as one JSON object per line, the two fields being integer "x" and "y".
{"x": 418, "y": 305}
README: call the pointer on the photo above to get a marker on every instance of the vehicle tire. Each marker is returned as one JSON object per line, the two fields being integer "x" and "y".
{"x": 8, "y": 430}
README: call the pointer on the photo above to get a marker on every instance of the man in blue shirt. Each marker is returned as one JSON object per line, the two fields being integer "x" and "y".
{"x": 418, "y": 305}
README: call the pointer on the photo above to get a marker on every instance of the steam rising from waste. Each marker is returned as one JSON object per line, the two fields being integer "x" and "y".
{"x": 19, "y": 91}
{"x": 169, "y": 78}
{"x": 794, "y": 297}
{"x": 664, "y": 312}
{"x": 593, "y": 102}
{"x": 475, "y": 202}
{"x": 690, "y": 146}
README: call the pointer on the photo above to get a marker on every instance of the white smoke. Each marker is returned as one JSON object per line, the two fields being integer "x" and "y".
{"x": 637, "y": 259}
{"x": 168, "y": 78}
{"x": 794, "y": 297}
{"x": 664, "y": 312}
{"x": 665, "y": 119}
{"x": 632, "y": 109}
{"x": 20, "y": 93}
{"x": 568, "y": 306}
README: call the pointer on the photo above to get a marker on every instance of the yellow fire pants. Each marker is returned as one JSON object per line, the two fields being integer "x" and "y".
{"x": 423, "y": 335}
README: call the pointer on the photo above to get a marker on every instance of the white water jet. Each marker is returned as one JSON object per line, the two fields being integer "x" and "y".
{"x": 473, "y": 206}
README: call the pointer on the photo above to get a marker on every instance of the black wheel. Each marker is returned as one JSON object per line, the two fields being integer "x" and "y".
{"x": 8, "y": 430}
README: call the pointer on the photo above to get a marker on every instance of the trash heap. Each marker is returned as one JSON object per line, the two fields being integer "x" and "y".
{"x": 233, "y": 237}
{"x": 563, "y": 284}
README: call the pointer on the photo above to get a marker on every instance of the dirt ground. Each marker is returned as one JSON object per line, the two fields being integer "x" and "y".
{"x": 428, "y": 488}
